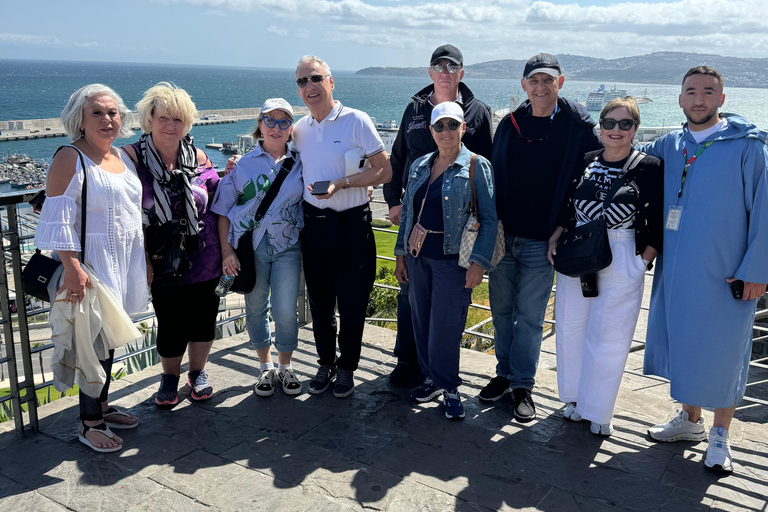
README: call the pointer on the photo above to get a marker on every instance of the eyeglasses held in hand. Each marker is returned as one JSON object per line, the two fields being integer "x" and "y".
{"x": 284, "y": 124}
{"x": 316, "y": 79}
{"x": 439, "y": 126}
{"x": 452, "y": 68}
{"x": 624, "y": 124}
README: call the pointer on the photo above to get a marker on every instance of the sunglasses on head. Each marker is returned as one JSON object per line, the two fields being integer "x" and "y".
{"x": 624, "y": 124}
{"x": 270, "y": 121}
{"x": 439, "y": 126}
{"x": 452, "y": 68}
{"x": 316, "y": 79}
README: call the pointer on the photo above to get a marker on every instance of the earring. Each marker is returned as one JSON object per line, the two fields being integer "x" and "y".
{"x": 82, "y": 133}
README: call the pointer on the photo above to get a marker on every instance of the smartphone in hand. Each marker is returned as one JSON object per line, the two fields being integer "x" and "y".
{"x": 320, "y": 188}
{"x": 737, "y": 288}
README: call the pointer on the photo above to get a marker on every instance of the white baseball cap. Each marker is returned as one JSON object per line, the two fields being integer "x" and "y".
{"x": 277, "y": 104}
{"x": 449, "y": 109}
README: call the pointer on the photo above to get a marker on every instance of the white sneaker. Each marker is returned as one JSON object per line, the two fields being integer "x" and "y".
{"x": 601, "y": 429}
{"x": 265, "y": 386}
{"x": 719, "y": 450}
{"x": 679, "y": 428}
{"x": 570, "y": 412}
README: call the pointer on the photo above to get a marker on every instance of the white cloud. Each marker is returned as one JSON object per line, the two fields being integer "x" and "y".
{"x": 493, "y": 29}
{"x": 279, "y": 31}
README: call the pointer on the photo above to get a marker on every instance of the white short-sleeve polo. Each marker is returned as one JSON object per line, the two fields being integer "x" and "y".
{"x": 334, "y": 148}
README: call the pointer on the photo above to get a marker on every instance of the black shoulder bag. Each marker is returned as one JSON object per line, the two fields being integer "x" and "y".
{"x": 39, "y": 269}
{"x": 246, "y": 277}
{"x": 585, "y": 250}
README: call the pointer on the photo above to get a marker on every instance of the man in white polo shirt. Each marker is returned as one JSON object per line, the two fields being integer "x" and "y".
{"x": 338, "y": 145}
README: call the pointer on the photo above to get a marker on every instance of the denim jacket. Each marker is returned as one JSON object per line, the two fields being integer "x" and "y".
{"x": 456, "y": 193}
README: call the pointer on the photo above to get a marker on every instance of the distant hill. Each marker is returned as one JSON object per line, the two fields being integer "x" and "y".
{"x": 656, "y": 68}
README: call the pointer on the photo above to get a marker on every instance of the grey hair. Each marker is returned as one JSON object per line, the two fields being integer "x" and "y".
{"x": 72, "y": 115}
{"x": 308, "y": 59}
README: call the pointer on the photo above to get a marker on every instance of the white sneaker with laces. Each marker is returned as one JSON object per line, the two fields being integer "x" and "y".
{"x": 601, "y": 429}
{"x": 570, "y": 412}
{"x": 679, "y": 428}
{"x": 719, "y": 450}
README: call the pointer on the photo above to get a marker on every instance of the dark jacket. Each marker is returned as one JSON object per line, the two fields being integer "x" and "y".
{"x": 582, "y": 138}
{"x": 414, "y": 139}
{"x": 647, "y": 179}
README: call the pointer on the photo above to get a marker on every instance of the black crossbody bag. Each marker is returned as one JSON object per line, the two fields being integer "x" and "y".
{"x": 39, "y": 270}
{"x": 246, "y": 277}
{"x": 585, "y": 250}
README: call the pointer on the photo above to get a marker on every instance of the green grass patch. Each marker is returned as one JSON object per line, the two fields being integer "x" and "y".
{"x": 385, "y": 246}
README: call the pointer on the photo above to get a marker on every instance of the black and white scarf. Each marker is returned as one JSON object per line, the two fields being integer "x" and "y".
{"x": 177, "y": 180}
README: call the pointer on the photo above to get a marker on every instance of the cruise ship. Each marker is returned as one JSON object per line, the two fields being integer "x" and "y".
{"x": 597, "y": 99}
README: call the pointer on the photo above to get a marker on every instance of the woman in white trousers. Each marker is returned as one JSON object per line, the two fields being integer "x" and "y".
{"x": 596, "y": 315}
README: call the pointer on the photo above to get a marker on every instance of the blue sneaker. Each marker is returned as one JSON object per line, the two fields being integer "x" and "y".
{"x": 426, "y": 391}
{"x": 452, "y": 401}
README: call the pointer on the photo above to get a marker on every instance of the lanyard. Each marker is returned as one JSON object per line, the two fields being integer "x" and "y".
{"x": 688, "y": 163}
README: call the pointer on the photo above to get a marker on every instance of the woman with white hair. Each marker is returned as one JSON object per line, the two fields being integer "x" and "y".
{"x": 93, "y": 119}
{"x": 181, "y": 236}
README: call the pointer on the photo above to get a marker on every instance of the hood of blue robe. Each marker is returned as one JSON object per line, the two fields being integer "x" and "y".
{"x": 737, "y": 127}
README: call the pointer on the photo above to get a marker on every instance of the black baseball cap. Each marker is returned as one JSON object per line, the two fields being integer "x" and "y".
{"x": 542, "y": 63}
{"x": 447, "y": 51}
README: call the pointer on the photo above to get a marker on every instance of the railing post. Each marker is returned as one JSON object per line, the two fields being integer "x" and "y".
{"x": 21, "y": 308}
{"x": 305, "y": 316}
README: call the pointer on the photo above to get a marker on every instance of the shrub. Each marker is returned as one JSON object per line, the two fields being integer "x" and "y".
{"x": 381, "y": 223}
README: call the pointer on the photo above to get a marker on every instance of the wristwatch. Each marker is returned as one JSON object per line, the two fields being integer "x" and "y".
{"x": 347, "y": 182}
{"x": 647, "y": 264}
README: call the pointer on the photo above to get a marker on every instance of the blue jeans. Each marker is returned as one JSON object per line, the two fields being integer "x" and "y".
{"x": 519, "y": 289}
{"x": 279, "y": 273}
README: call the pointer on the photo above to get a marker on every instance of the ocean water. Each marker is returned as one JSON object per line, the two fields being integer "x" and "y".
{"x": 40, "y": 89}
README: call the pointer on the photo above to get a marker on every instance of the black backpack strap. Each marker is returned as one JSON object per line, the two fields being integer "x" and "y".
{"x": 632, "y": 161}
{"x": 84, "y": 200}
{"x": 269, "y": 197}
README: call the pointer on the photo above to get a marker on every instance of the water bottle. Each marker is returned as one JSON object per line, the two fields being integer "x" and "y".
{"x": 224, "y": 283}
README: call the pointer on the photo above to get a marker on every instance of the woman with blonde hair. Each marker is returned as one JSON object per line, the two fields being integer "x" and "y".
{"x": 596, "y": 314}
{"x": 179, "y": 182}
{"x": 93, "y": 118}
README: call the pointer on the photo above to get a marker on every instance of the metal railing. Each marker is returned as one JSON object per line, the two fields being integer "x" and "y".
{"x": 16, "y": 231}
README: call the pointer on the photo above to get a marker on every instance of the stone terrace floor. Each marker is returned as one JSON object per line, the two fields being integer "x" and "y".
{"x": 374, "y": 450}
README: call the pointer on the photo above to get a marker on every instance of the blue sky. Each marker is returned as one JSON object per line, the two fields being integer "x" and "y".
{"x": 351, "y": 34}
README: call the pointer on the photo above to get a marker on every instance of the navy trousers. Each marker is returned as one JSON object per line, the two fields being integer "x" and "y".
{"x": 439, "y": 305}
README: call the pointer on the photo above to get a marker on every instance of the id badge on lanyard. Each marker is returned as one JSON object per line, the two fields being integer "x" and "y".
{"x": 675, "y": 214}
{"x": 673, "y": 218}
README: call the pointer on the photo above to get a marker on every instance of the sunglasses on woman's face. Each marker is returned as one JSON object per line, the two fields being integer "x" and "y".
{"x": 284, "y": 124}
{"x": 624, "y": 124}
{"x": 316, "y": 79}
{"x": 439, "y": 126}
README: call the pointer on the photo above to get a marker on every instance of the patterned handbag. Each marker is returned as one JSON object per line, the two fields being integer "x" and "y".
{"x": 472, "y": 228}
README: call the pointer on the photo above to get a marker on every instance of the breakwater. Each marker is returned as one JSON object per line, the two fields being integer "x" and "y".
{"x": 25, "y": 129}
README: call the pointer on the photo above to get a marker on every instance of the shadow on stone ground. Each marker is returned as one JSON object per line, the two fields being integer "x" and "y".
{"x": 375, "y": 450}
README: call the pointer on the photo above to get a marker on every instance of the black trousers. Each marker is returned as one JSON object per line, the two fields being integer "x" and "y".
{"x": 90, "y": 407}
{"x": 339, "y": 254}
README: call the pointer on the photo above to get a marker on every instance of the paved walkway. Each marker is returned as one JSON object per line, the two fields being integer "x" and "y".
{"x": 374, "y": 450}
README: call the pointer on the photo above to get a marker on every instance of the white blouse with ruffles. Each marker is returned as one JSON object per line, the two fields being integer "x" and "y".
{"x": 114, "y": 240}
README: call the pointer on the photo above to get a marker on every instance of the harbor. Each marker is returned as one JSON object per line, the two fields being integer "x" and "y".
{"x": 27, "y": 129}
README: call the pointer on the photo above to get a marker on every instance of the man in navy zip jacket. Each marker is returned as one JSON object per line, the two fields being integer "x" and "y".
{"x": 537, "y": 154}
{"x": 413, "y": 141}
